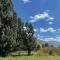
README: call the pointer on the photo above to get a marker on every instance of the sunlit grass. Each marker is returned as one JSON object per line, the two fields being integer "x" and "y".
{"x": 31, "y": 58}
{"x": 34, "y": 56}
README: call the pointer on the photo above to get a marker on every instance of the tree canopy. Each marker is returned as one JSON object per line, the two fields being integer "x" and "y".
{"x": 13, "y": 36}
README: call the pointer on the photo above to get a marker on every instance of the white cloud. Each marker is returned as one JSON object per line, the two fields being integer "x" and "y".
{"x": 50, "y": 22}
{"x": 47, "y": 39}
{"x": 43, "y": 30}
{"x": 52, "y": 39}
{"x": 32, "y": 21}
{"x": 48, "y": 30}
{"x": 42, "y": 16}
{"x": 35, "y": 30}
{"x": 26, "y": 1}
{"x": 50, "y": 19}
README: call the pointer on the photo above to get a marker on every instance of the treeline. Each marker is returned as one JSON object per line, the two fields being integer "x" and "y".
{"x": 14, "y": 34}
{"x": 47, "y": 49}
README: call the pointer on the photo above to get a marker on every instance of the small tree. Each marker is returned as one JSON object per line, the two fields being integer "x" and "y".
{"x": 27, "y": 37}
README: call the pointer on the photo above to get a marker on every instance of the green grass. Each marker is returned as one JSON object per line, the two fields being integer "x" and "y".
{"x": 31, "y": 58}
{"x": 34, "y": 56}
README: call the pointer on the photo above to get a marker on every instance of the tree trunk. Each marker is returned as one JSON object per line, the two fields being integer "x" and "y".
{"x": 29, "y": 51}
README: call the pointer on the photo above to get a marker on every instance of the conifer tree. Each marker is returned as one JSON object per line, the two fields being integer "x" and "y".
{"x": 28, "y": 40}
{"x": 8, "y": 27}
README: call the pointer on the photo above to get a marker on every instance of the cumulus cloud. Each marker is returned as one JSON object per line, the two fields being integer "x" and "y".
{"x": 50, "y": 18}
{"x": 48, "y": 30}
{"x": 52, "y": 39}
{"x": 42, "y": 16}
{"x": 50, "y": 22}
{"x": 47, "y": 39}
{"x": 35, "y": 30}
{"x": 43, "y": 30}
{"x": 26, "y": 1}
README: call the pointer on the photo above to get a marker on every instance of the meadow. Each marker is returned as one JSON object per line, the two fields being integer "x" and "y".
{"x": 31, "y": 58}
{"x": 34, "y": 56}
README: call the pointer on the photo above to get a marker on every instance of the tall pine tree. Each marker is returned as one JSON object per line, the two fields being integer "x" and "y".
{"x": 8, "y": 27}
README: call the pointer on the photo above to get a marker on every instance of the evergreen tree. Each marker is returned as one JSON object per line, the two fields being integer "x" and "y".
{"x": 27, "y": 37}
{"x": 19, "y": 40}
{"x": 8, "y": 27}
{"x": 13, "y": 34}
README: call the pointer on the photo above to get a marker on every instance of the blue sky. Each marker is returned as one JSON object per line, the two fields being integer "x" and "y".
{"x": 44, "y": 15}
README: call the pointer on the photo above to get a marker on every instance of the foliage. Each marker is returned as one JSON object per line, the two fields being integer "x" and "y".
{"x": 13, "y": 36}
{"x": 28, "y": 37}
{"x": 8, "y": 27}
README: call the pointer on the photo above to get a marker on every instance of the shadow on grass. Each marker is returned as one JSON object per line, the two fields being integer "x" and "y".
{"x": 16, "y": 54}
{"x": 21, "y": 55}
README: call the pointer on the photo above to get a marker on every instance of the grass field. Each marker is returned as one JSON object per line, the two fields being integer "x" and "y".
{"x": 34, "y": 56}
{"x": 31, "y": 58}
